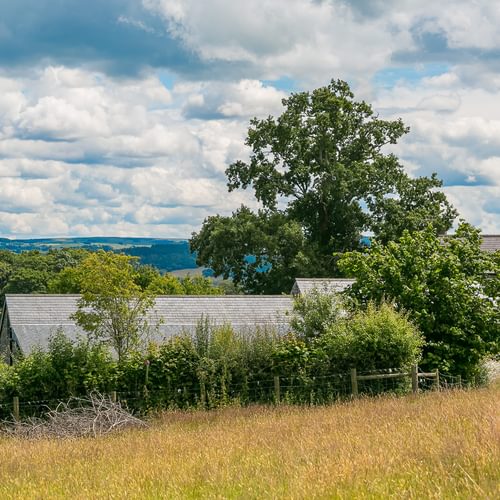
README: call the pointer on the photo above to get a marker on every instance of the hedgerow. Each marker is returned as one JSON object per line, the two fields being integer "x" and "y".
{"x": 217, "y": 365}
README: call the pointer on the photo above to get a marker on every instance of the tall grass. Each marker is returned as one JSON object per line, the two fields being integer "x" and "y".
{"x": 435, "y": 445}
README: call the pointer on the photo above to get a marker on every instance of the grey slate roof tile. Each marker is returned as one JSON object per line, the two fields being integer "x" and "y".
{"x": 329, "y": 285}
{"x": 491, "y": 242}
{"x": 35, "y": 317}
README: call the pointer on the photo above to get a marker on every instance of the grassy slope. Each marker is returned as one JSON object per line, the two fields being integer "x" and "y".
{"x": 441, "y": 445}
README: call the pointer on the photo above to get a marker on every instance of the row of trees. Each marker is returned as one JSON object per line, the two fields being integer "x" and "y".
{"x": 62, "y": 271}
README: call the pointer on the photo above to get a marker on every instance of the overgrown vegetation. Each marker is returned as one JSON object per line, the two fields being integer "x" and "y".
{"x": 217, "y": 366}
{"x": 448, "y": 286}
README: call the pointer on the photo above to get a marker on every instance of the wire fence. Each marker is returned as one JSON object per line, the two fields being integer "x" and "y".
{"x": 298, "y": 389}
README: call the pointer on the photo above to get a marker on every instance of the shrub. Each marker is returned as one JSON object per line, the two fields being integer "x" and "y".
{"x": 314, "y": 313}
{"x": 449, "y": 287}
{"x": 372, "y": 339}
{"x": 65, "y": 369}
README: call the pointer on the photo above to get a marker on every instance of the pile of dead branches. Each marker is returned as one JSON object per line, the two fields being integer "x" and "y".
{"x": 92, "y": 416}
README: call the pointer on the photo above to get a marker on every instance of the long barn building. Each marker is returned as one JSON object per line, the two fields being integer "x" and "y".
{"x": 28, "y": 321}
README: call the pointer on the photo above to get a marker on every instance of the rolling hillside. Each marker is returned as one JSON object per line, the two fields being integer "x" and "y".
{"x": 165, "y": 254}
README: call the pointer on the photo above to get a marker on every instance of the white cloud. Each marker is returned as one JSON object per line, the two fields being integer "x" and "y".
{"x": 84, "y": 153}
{"x": 88, "y": 154}
{"x": 309, "y": 41}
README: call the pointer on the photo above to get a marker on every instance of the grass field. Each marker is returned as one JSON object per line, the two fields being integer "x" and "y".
{"x": 436, "y": 445}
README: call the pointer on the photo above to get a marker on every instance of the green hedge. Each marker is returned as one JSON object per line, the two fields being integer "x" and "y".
{"x": 216, "y": 366}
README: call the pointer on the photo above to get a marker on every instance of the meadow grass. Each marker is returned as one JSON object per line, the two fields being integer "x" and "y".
{"x": 435, "y": 445}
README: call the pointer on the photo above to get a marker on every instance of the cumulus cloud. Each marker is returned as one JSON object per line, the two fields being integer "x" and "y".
{"x": 309, "y": 41}
{"x": 85, "y": 153}
{"x": 95, "y": 139}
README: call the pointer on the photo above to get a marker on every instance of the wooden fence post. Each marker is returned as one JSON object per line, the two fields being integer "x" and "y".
{"x": 414, "y": 379}
{"x": 277, "y": 395}
{"x": 459, "y": 381}
{"x": 113, "y": 396}
{"x": 15, "y": 408}
{"x": 438, "y": 386}
{"x": 354, "y": 383}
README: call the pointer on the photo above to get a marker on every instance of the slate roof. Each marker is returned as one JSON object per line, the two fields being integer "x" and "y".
{"x": 490, "y": 243}
{"x": 34, "y": 318}
{"x": 305, "y": 285}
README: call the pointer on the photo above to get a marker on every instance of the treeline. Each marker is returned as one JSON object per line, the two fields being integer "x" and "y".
{"x": 218, "y": 366}
{"x": 57, "y": 271}
{"x": 166, "y": 255}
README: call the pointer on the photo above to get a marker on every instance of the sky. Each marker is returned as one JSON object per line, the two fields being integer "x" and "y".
{"x": 119, "y": 117}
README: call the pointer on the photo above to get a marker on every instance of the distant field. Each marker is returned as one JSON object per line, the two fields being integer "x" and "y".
{"x": 437, "y": 445}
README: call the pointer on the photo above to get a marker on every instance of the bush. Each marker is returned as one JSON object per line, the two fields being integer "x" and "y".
{"x": 373, "y": 339}
{"x": 315, "y": 312}
{"x": 449, "y": 286}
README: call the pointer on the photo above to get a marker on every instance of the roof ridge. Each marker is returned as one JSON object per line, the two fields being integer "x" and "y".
{"x": 157, "y": 296}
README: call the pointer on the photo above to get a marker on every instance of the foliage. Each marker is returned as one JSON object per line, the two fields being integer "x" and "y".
{"x": 315, "y": 312}
{"x": 57, "y": 271}
{"x": 322, "y": 176}
{"x": 259, "y": 251}
{"x": 188, "y": 285}
{"x": 374, "y": 339}
{"x": 217, "y": 365}
{"x": 448, "y": 286}
{"x": 34, "y": 271}
{"x": 198, "y": 285}
{"x": 64, "y": 369}
{"x": 112, "y": 308}
{"x": 165, "y": 255}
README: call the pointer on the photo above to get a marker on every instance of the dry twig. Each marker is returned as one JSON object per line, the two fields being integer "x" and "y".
{"x": 95, "y": 415}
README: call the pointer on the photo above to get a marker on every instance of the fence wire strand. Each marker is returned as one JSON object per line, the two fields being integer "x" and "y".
{"x": 298, "y": 389}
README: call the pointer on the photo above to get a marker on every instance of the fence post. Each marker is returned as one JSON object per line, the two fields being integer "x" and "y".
{"x": 277, "y": 389}
{"x": 459, "y": 381}
{"x": 354, "y": 383}
{"x": 15, "y": 407}
{"x": 146, "y": 380}
{"x": 438, "y": 386}
{"x": 414, "y": 379}
{"x": 113, "y": 396}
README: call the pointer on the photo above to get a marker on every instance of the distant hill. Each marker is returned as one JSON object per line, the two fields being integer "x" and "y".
{"x": 165, "y": 254}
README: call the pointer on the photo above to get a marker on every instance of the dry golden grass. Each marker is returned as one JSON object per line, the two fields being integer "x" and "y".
{"x": 440, "y": 445}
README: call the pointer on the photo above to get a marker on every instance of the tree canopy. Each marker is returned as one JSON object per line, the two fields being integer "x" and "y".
{"x": 113, "y": 307}
{"x": 323, "y": 178}
{"x": 448, "y": 286}
{"x": 33, "y": 271}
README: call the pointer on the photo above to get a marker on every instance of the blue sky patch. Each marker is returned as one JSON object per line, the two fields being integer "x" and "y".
{"x": 389, "y": 77}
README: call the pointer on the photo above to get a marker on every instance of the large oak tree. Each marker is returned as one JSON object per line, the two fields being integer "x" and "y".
{"x": 323, "y": 177}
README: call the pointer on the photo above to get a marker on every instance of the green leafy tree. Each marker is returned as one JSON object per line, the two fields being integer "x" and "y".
{"x": 323, "y": 177}
{"x": 113, "y": 307}
{"x": 198, "y": 285}
{"x": 259, "y": 251}
{"x": 38, "y": 272}
{"x": 26, "y": 280}
{"x": 448, "y": 286}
